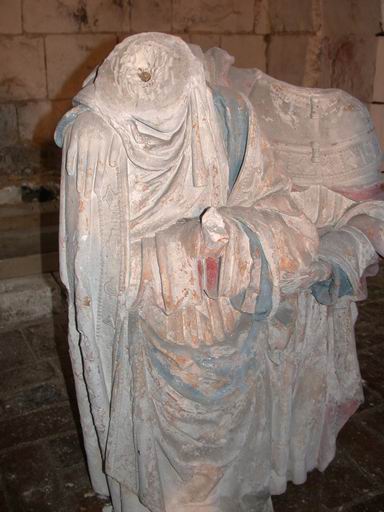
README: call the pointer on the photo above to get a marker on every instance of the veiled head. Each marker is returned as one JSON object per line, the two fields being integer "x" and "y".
{"x": 148, "y": 72}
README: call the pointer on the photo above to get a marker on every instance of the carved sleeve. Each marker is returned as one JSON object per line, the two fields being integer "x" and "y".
{"x": 354, "y": 243}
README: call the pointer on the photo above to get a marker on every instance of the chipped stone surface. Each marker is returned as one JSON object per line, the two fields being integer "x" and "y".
{"x": 294, "y": 15}
{"x": 151, "y": 15}
{"x": 10, "y": 17}
{"x": 71, "y": 58}
{"x": 22, "y": 71}
{"x": 249, "y": 50}
{"x": 38, "y": 119}
{"x": 213, "y": 16}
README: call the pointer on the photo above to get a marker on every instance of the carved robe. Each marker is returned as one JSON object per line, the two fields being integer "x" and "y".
{"x": 211, "y": 300}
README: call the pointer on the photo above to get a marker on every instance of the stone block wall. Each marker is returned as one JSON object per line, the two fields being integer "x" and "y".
{"x": 48, "y": 47}
{"x": 377, "y": 105}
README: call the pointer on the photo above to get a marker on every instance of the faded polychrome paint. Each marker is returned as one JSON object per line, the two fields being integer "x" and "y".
{"x": 214, "y": 242}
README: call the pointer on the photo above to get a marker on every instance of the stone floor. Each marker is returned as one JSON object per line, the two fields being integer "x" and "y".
{"x": 41, "y": 458}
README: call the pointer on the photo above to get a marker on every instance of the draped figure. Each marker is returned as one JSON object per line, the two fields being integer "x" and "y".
{"x": 216, "y": 230}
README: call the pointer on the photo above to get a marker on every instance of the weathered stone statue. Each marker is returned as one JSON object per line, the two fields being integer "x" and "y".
{"x": 217, "y": 226}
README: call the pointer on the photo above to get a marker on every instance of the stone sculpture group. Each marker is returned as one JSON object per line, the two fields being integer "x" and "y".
{"x": 217, "y": 226}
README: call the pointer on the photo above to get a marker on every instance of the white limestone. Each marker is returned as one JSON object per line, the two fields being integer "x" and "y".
{"x": 216, "y": 229}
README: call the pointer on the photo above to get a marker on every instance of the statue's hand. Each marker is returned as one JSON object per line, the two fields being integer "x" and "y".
{"x": 214, "y": 238}
{"x": 214, "y": 233}
{"x": 226, "y": 256}
{"x": 319, "y": 271}
{"x": 90, "y": 146}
